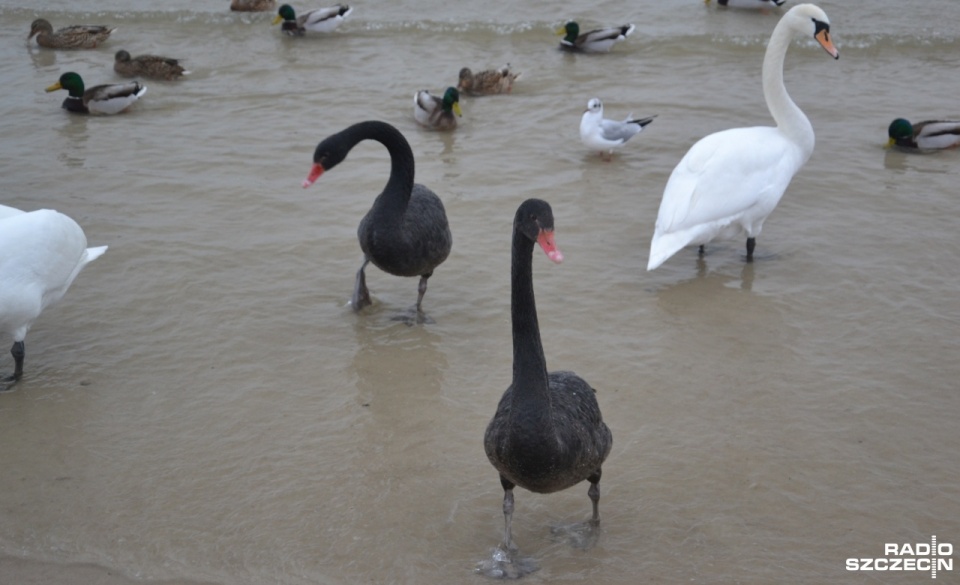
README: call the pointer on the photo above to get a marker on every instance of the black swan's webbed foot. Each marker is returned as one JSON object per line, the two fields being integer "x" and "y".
{"x": 583, "y": 535}
{"x": 505, "y": 561}
{"x": 361, "y": 296}
{"x": 579, "y": 535}
{"x": 416, "y": 316}
{"x": 506, "y": 564}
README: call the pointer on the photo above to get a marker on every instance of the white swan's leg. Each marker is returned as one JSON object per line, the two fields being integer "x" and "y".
{"x": 17, "y": 351}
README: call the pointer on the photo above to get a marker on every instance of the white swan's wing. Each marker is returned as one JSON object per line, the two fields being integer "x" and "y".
{"x": 725, "y": 174}
{"x": 6, "y": 211}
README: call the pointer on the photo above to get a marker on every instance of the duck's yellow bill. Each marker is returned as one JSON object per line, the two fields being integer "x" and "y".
{"x": 54, "y": 87}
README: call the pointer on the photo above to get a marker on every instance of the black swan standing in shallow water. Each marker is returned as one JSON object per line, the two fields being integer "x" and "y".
{"x": 406, "y": 232}
{"x": 547, "y": 434}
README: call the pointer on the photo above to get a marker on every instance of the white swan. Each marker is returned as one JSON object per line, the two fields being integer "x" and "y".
{"x": 41, "y": 252}
{"x": 730, "y": 181}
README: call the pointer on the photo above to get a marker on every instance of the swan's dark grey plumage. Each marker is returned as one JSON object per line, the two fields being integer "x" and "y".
{"x": 547, "y": 433}
{"x": 406, "y": 232}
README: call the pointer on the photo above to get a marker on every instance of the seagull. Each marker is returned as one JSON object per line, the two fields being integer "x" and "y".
{"x": 602, "y": 134}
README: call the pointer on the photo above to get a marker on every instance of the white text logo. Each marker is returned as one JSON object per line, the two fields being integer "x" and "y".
{"x": 921, "y": 556}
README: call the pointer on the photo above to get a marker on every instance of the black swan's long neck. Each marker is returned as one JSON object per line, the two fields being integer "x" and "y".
{"x": 392, "y": 202}
{"x": 529, "y": 365}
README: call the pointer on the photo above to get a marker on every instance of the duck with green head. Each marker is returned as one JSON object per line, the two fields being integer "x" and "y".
{"x": 100, "y": 99}
{"x": 321, "y": 20}
{"x": 926, "y": 135}
{"x": 600, "y": 40}
{"x": 437, "y": 113}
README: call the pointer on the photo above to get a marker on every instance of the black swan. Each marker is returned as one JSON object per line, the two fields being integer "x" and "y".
{"x": 406, "y": 232}
{"x": 547, "y": 434}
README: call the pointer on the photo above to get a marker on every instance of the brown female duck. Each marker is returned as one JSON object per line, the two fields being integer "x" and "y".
{"x": 489, "y": 82}
{"x": 151, "y": 66}
{"x": 78, "y": 36}
{"x": 252, "y": 5}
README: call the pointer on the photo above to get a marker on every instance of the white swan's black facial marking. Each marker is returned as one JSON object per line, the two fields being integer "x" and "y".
{"x": 821, "y": 32}
{"x": 819, "y": 26}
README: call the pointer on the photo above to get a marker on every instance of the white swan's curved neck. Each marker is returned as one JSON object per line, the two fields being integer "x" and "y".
{"x": 790, "y": 119}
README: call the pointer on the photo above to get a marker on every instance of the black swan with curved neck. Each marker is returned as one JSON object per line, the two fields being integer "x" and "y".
{"x": 547, "y": 434}
{"x": 406, "y": 232}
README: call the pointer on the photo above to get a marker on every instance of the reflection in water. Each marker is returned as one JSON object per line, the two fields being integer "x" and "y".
{"x": 74, "y": 139}
{"x": 42, "y": 58}
{"x": 712, "y": 297}
{"x": 746, "y": 276}
{"x": 396, "y": 367}
{"x": 901, "y": 160}
{"x": 447, "y": 155}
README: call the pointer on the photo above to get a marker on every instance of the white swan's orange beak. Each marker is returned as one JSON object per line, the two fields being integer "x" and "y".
{"x": 315, "y": 171}
{"x": 545, "y": 239}
{"x": 823, "y": 37}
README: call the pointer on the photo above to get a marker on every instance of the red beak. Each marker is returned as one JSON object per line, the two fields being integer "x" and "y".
{"x": 545, "y": 239}
{"x": 315, "y": 171}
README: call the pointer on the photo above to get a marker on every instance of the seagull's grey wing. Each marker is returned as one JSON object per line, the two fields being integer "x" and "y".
{"x": 622, "y": 131}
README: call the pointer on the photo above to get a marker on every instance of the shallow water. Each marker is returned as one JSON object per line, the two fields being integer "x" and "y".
{"x": 203, "y": 405}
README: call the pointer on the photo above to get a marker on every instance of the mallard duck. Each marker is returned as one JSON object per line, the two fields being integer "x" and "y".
{"x": 101, "y": 99}
{"x": 437, "y": 113}
{"x": 150, "y": 66}
{"x": 322, "y": 20}
{"x": 600, "y": 40}
{"x": 601, "y": 134}
{"x": 41, "y": 252}
{"x": 489, "y": 82}
{"x": 252, "y": 5}
{"x": 78, "y": 36}
{"x": 929, "y": 134}
{"x": 749, "y": 3}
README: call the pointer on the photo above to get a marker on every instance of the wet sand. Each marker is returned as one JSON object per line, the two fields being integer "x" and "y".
{"x": 30, "y": 572}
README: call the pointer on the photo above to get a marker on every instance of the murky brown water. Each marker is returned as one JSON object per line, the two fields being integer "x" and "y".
{"x": 202, "y": 405}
